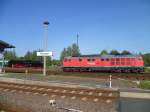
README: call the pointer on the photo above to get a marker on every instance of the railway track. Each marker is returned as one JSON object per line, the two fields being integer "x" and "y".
{"x": 37, "y": 97}
{"x": 62, "y": 92}
{"x": 130, "y": 76}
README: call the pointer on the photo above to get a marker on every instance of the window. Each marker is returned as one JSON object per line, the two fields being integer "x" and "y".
{"x": 93, "y": 59}
{"x": 127, "y": 59}
{"x": 102, "y": 59}
{"x": 69, "y": 59}
{"x": 117, "y": 59}
{"x": 112, "y": 59}
{"x": 88, "y": 59}
{"x": 122, "y": 59}
{"x": 65, "y": 60}
{"x": 80, "y": 59}
{"x": 107, "y": 59}
{"x": 132, "y": 59}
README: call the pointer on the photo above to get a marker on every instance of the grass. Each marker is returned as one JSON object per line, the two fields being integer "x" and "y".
{"x": 147, "y": 69}
{"x": 145, "y": 85}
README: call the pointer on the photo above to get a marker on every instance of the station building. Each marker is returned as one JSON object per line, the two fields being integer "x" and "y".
{"x": 3, "y": 46}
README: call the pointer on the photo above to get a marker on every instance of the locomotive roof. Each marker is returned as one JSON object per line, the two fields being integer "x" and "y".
{"x": 104, "y": 56}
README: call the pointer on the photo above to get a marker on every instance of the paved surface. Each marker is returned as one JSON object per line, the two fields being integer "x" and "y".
{"x": 134, "y": 105}
{"x": 135, "y": 95}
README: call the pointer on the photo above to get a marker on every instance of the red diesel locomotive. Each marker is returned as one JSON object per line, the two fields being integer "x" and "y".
{"x": 108, "y": 63}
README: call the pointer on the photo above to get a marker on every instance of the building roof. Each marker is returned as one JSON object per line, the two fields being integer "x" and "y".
{"x": 4, "y": 45}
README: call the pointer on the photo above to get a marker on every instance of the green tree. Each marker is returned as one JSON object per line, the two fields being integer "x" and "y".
{"x": 63, "y": 54}
{"x": 69, "y": 51}
{"x": 48, "y": 61}
{"x": 104, "y": 52}
{"x": 146, "y": 58}
{"x": 75, "y": 50}
{"x": 28, "y": 55}
{"x": 114, "y": 52}
{"x": 10, "y": 55}
{"x": 32, "y": 55}
{"x": 125, "y": 52}
{"x": 56, "y": 62}
{"x": 72, "y": 50}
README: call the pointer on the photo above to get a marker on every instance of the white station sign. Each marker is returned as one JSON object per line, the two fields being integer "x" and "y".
{"x": 44, "y": 53}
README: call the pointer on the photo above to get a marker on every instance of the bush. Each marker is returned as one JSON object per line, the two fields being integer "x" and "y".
{"x": 145, "y": 84}
{"x": 147, "y": 69}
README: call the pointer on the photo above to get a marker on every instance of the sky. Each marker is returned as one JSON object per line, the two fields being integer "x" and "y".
{"x": 100, "y": 24}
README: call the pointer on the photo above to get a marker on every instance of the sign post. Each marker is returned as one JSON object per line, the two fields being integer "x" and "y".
{"x": 45, "y": 23}
{"x": 44, "y": 54}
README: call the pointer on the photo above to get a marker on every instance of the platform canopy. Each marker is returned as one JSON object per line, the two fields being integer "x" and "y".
{"x": 4, "y": 45}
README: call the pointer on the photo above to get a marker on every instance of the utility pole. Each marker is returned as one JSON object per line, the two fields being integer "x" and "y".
{"x": 46, "y": 23}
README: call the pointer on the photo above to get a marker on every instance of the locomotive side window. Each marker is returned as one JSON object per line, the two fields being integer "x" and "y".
{"x": 80, "y": 59}
{"x": 88, "y": 59}
{"x": 128, "y": 59}
{"x": 112, "y": 59}
{"x": 69, "y": 59}
{"x": 132, "y": 59}
{"x": 107, "y": 59}
{"x": 93, "y": 59}
{"x": 102, "y": 59}
{"x": 65, "y": 60}
{"x": 117, "y": 59}
{"x": 122, "y": 59}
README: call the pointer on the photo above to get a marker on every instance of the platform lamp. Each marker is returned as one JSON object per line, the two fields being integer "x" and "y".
{"x": 45, "y": 46}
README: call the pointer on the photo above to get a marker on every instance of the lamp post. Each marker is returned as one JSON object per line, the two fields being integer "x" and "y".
{"x": 45, "y": 23}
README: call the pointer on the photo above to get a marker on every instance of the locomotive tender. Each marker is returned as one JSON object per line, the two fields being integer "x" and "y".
{"x": 106, "y": 63}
